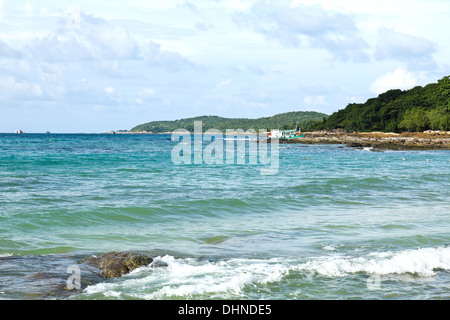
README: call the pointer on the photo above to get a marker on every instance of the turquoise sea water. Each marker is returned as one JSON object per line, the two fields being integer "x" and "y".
{"x": 333, "y": 223}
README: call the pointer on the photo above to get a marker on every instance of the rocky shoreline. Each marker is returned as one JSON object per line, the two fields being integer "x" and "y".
{"x": 428, "y": 140}
{"x": 55, "y": 276}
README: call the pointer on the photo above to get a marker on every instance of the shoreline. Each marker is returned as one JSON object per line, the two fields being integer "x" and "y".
{"x": 427, "y": 140}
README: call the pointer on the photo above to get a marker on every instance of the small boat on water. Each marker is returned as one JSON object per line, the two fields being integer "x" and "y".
{"x": 287, "y": 134}
{"x": 19, "y": 131}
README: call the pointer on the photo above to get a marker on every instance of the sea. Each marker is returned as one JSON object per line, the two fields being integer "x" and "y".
{"x": 331, "y": 223}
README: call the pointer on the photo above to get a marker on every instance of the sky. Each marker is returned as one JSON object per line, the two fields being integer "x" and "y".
{"x": 95, "y": 66}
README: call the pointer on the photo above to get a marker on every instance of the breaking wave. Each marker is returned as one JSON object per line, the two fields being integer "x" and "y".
{"x": 243, "y": 278}
{"x": 422, "y": 262}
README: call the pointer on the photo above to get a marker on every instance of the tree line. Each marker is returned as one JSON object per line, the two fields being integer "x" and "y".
{"x": 283, "y": 121}
{"x": 417, "y": 109}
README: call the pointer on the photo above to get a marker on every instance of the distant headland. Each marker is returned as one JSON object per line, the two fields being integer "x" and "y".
{"x": 418, "y": 118}
{"x": 416, "y": 110}
{"x": 284, "y": 121}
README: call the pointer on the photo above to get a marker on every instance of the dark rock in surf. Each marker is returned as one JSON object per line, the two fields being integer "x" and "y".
{"x": 116, "y": 264}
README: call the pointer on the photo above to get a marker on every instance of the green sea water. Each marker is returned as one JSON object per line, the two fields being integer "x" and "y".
{"x": 333, "y": 223}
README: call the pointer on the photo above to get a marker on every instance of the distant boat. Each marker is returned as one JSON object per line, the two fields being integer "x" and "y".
{"x": 287, "y": 134}
{"x": 48, "y": 132}
{"x": 19, "y": 131}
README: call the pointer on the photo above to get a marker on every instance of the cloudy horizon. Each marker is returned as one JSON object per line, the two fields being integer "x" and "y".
{"x": 94, "y": 66}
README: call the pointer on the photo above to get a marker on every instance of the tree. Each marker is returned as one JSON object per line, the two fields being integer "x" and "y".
{"x": 435, "y": 117}
{"x": 417, "y": 109}
{"x": 415, "y": 119}
{"x": 445, "y": 93}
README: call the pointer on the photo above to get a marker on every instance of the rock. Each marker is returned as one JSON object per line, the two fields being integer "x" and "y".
{"x": 355, "y": 145}
{"x": 379, "y": 140}
{"x": 116, "y": 264}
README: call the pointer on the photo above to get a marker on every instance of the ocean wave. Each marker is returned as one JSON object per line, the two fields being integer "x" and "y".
{"x": 422, "y": 262}
{"x": 187, "y": 278}
{"x": 190, "y": 278}
{"x": 4, "y": 255}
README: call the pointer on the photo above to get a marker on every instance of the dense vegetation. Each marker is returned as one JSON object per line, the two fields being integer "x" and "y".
{"x": 283, "y": 121}
{"x": 417, "y": 109}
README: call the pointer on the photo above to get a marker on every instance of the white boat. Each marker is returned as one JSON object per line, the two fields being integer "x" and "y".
{"x": 286, "y": 134}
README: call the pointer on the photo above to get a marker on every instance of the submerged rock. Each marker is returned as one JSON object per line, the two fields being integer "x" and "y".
{"x": 45, "y": 276}
{"x": 116, "y": 264}
{"x": 59, "y": 276}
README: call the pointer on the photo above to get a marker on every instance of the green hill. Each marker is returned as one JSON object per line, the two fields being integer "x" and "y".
{"x": 303, "y": 119}
{"x": 417, "y": 109}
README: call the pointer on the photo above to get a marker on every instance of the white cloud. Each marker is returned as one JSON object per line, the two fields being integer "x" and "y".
{"x": 237, "y": 4}
{"x": 109, "y": 90}
{"x": 399, "y": 79}
{"x": 169, "y": 60}
{"x": 303, "y": 26}
{"x": 417, "y": 51}
{"x": 19, "y": 89}
{"x": 112, "y": 41}
{"x": 266, "y": 53}
{"x": 29, "y": 8}
{"x": 43, "y": 11}
{"x": 7, "y": 51}
{"x": 147, "y": 92}
{"x": 88, "y": 39}
{"x": 314, "y": 100}
{"x": 223, "y": 83}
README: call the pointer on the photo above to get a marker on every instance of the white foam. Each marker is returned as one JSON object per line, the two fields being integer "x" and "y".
{"x": 331, "y": 247}
{"x": 108, "y": 289}
{"x": 231, "y": 279}
{"x": 422, "y": 262}
{"x": 188, "y": 277}
{"x": 3, "y": 255}
{"x": 191, "y": 277}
